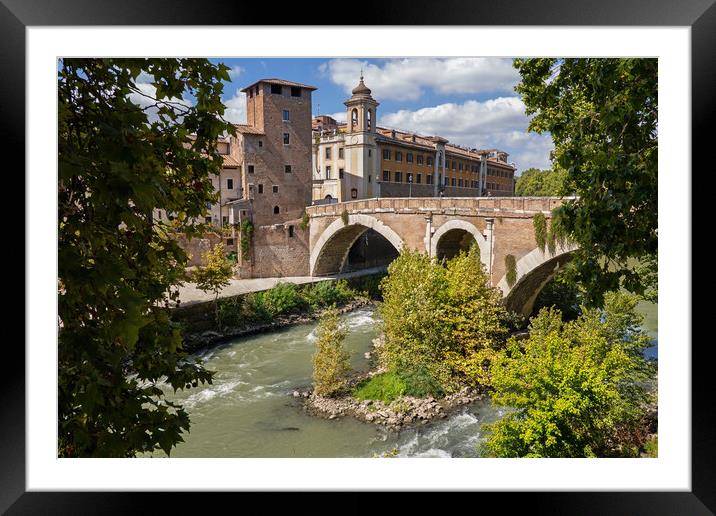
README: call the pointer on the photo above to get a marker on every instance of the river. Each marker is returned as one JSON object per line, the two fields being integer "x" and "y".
{"x": 248, "y": 410}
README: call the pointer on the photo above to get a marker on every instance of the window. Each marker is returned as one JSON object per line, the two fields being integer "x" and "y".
{"x": 369, "y": 178}
{"x": 225, "y": 219}
{"x": 354, "y": 118}
{"x": 420, "y": 159}
{"x": 290, "y": 231}
{"x": 340, "y": 153}
{"x": 328, "y": 153}
{"x": 409, "y": 177}
{"x": 452, "y": 182}
{"x": 230, "y": 184}
{"x": 274, "y": 188}
{"x": 398, "y": 156}
{"x": 261, "y": 143}
{"x": 229, "y": 241}
{"x": 276, "y": 89}
{"x": 447, "y": 163}
{"x": 286, "y": 115}
{"x": 447, "y": 181}
{"x": 286, "y": 139}
{"x": 386, "y": 153}
{"x": 459, "y": 182}
{"x": 370, "y": 119}
{"x": 409, "y": 157}
{"x": 429, "y": 179}
{"x": 386, "y": 175}
{"x": 417, "y": 178}
{"x": 295, "y": 91}
{"x": 453, "y": 164}
{"x": 340, "y": 173}
{"x": 328, "y": 172}
{"x": 460, "y": 166}
{"x": 251, "y": 169}
{"x": 287, "y": 169}
{"x": 207, "y": 220}
{"x": 276, "y": 210}
{"x": 398, "y": 177}
{"x": 261, "y": 188}
{"x": 354, "y": 193}
{"x": 430, "y": 161}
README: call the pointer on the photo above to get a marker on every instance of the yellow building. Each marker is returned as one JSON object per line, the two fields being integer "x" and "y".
{"x": 359, "y": 160}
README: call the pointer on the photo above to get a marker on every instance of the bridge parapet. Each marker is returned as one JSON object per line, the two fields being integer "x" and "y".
{"x": 517, "y": 205}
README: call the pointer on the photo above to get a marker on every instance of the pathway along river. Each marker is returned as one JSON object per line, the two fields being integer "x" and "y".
{"x": 248, "y": 410}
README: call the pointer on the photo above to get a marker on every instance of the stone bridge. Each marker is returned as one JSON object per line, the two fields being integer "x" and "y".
{"x": 500, "y": 226}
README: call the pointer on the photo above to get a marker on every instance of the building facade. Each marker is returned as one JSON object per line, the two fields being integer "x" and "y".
{"x": 265, "y": 180}
{"x": 359, "y": 160}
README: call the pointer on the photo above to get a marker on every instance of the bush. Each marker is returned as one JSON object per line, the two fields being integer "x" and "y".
{"x": 577, "y": 387}
{"x": 231, "y": 311}
{"x": 326, "y": 293}
{"x": 330, "y": 362}
{"x": 256, "y": 307}
{"x": 420, "y": 383}
{"x": 282, "y": 298}
{"x": 385, "y": 387}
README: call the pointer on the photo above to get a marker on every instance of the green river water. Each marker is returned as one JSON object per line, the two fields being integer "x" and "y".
{"x": 249, "y": 412}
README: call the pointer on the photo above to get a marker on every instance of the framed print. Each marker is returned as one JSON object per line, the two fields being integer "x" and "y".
{"x": 381, "y": 127}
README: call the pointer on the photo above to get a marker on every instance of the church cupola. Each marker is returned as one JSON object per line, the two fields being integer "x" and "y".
{"x": 361, "y": 109}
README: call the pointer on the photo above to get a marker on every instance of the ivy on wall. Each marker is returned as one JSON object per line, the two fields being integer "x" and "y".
{"x": 344, "y": 217}
{"x": 305, "y": 221}
{"x": 540, "y": 225}
{"x": 247, "y": 231}
{"x": 511, "y": 269}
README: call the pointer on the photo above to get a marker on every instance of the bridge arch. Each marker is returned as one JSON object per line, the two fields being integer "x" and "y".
{"x": 455, "y": 226}
{"x": 534, "y": 270}
{"x": 329, "y": 253}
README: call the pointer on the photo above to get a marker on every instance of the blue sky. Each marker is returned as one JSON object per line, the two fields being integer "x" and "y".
{"x": 470, "y": 101}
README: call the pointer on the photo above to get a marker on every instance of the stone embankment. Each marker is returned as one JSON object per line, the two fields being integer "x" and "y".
{"x": 200, "y": 339}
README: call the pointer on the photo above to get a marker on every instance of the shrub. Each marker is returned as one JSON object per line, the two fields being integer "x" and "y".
{"x": 325, "y": 293}
{"x": 420, "y": 383}
{"x": 385, "y": 387}
{"x": 540, "y": 227}
{"x": 231, "y": 311}
{"x": 577, "y": 387}
{"x": 256, "y": 307}
{"x": 330, "y": 362}
{"x": 305, "y": 221}
{"x": 282, "y": 298}
{"x": 344, "y": 217}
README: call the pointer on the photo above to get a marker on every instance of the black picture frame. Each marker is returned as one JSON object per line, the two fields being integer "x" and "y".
{"x": 700, "y": 15}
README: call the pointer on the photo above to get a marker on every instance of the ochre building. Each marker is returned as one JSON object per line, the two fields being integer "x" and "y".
{"x": 359, "y": 160}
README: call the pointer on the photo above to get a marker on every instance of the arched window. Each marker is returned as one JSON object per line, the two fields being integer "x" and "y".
{"x": 354, "y": 118}
{"x": 354, "y": 193}
{"x": 369, "y": 119}
{"x": 329, "y": 197}
{"x": 276, "y": 210}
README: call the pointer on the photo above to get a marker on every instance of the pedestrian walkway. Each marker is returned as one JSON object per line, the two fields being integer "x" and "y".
{"x": 189, "y": 294}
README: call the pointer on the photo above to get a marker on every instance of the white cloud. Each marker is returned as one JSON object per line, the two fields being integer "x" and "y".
{"x": 146, "y": 96}
{"x": 235, "y": 71}
{"x": 339, "y": 117}
{"x": 495, "y": 123}
{"x": 406, "y": 79}
{"x": 236, "y": 108}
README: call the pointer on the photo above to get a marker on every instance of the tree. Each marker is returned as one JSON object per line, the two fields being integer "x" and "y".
{"x": 534, "y": 182}
{"x": 330, "y": 362}
{"x": 577, "y": 388}
{"x": 215, "y": 275}
{"x": 124, "y": 151}
{"x": 602, "y": 115}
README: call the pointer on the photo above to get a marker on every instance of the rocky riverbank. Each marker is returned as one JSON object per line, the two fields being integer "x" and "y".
{"x": 197, "y": 340}
{"x": 406, "y": 410}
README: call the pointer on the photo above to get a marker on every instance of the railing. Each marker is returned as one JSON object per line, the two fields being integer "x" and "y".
{"x": 520, "y": 204}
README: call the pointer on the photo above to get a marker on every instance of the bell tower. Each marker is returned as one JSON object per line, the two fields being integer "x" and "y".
{"x": 361, "y": 115}
{"x": 362, "y": 160}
